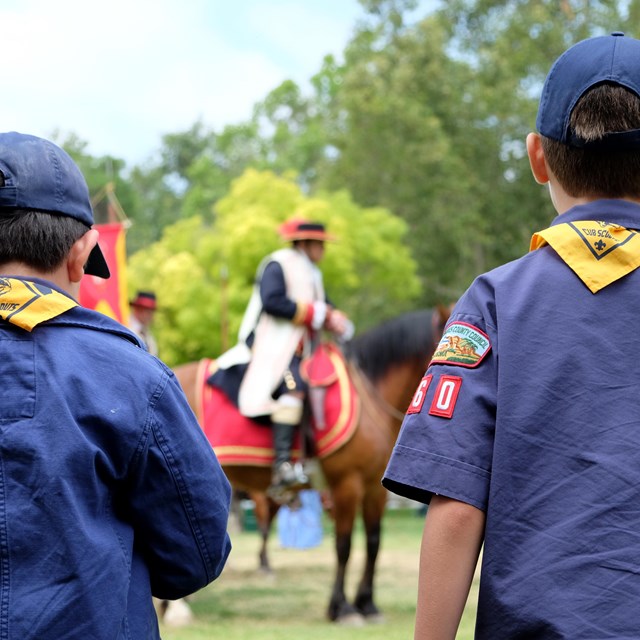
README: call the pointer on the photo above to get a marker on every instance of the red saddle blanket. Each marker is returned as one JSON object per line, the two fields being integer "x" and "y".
{"x": 241, "y": 441}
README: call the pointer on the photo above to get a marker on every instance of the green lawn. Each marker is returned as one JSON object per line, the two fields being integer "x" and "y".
{"x": 244, "y": 604}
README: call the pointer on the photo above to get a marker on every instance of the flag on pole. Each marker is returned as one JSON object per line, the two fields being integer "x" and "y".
{"x": 109, "y": 296}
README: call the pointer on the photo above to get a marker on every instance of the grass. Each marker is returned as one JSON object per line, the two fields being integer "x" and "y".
{"x": 243, "y": 604}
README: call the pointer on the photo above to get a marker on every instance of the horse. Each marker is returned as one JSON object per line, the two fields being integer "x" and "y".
{"x": 386, "y": 364}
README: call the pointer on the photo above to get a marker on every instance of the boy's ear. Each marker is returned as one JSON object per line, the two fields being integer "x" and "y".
{"x": 79, "y": 254}
{"x": 536, "y": 158}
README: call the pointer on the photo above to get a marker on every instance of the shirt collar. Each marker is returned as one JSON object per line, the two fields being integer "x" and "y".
{"x": 621, "y": 212}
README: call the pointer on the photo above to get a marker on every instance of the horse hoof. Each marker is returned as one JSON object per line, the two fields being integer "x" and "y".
{"x": 375, "y": 618}
{"x": 351, "y": 620}
{"x": 267, "y": 575}
{"x": 177, "y": 614}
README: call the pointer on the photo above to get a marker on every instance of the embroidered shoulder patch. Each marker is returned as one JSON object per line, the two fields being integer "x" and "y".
{"x": 462, "y": 344}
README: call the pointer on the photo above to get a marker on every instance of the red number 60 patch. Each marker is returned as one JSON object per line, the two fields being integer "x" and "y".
{"x": 420, "y": 394}
{"x": 444, "y": 400}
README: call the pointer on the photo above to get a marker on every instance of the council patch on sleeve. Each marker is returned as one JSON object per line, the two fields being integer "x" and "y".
{"x": 462, "y": 344}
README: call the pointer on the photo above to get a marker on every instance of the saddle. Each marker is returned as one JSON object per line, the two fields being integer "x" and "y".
{"x": 238, "y": 440}
{"x": 319, "y": 371}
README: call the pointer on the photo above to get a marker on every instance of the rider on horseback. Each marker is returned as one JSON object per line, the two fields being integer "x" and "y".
{"x": 281, "y": 326}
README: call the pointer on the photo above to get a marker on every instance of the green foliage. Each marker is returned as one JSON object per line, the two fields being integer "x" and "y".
{"x": 100, "y": 171}
{"x": 203, "y": 272}
{"x": 397, "y": 148}
{"x": 430, "y": 117}
{"x": 158, "y": 206}
{"x": 425, "y": 118}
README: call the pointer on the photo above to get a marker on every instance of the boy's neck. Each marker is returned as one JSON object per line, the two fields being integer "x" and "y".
{"x": 562, "y": 201}
{"x": 59, "y": 277}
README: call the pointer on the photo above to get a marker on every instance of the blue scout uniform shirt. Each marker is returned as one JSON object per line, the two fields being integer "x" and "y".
{"x": 533, "y": 415}
{"x": 109, "y": 490}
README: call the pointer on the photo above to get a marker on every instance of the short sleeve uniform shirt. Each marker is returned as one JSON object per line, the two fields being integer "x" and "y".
{"x": 532, "y": 414}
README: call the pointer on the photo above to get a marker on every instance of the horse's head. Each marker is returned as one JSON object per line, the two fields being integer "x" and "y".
{"x": 411, "y": 336}
{"x": 439, "y": 319}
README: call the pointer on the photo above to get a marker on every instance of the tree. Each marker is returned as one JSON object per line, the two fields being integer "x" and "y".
{"x": 396, "y": 147}
{"x": 161, "y": 187}
{"x": 426, "y": 118}
{"x": 430, "y": 118}
{"x": 100, "y": 171}
{"x": 203, "y": 271}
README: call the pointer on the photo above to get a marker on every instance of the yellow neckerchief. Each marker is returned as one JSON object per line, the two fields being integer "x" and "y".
{"x": 27, "y": 304}
{"x": 598, "y": 252}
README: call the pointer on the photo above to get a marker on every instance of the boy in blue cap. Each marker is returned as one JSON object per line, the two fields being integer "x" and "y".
{"x": 109, "y": 491}
{"x": 524, "y": 433}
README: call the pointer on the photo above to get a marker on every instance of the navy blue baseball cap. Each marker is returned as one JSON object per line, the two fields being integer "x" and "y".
{"x": 605, "y": 59}
{"x": 40, "y": 176}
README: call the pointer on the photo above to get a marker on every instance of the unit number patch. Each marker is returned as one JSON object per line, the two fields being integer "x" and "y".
{"x": 444, "y": 400}
{"x": 418, "y": 397}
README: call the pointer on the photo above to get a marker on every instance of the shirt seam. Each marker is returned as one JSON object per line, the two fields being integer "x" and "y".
{"x": 196, "y": 530}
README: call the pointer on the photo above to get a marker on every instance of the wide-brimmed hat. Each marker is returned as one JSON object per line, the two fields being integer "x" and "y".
{"x": 145, "y": 299}
{"x": 300, "y": 229}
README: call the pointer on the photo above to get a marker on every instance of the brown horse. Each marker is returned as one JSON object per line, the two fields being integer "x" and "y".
{"x": 386, "y": 364}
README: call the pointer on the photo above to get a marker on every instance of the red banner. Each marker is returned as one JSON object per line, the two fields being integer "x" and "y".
{"x": 109, "y": 296}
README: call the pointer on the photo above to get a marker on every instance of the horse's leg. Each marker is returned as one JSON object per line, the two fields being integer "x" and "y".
{"x": 177, "y": 613}
{"x": 372, "y": 512}
{"x": 346, "y": 497}
{"x": 266, "y": 510}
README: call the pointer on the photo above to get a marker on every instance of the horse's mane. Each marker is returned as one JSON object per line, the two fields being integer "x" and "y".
{"x": 394, "y": 341}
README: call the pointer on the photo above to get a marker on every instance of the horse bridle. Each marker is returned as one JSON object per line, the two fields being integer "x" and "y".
{"x": 360, "y": 379}
{"x": 359, "y": 375}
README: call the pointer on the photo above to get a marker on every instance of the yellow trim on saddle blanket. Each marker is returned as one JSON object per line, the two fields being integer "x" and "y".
{"x": 246, "y": 443}
{"x": 28, "y": 304}
{"x": 348, "y": 418}
{"x": 599, "y": 253}
{"x": 206, "y": 368}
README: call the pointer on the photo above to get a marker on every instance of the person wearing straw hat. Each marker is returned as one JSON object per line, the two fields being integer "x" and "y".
{"x": 143, "y": 309}
{"x": 287, "y": 311}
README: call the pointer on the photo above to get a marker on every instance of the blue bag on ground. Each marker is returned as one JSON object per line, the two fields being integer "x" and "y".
{"x": 301, "y": 528}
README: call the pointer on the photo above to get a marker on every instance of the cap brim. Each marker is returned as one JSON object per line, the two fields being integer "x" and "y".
{"x": 96, "y": 264}
{"x": 144, "y": 305}
{"x": 309, "y": 235}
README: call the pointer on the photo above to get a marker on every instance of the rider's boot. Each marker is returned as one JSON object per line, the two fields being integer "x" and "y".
{"x": 285, "y": 474}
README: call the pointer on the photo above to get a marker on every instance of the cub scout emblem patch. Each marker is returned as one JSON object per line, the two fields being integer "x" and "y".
{"x": 462, "y": 344}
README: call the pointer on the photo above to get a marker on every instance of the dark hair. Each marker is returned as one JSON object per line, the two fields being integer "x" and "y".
{"x": 37, "y": 239}
{"x": 603, "y": 173}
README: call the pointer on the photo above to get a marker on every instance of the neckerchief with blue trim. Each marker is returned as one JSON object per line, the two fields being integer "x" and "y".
{"x": 599, "y": 253}
{"x": 27, "y": 304}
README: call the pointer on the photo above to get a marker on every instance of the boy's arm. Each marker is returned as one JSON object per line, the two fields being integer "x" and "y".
{"x": 453, "y": 535}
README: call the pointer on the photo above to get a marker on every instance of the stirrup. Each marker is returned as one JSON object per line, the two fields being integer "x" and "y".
{"x": 289, "y": 477}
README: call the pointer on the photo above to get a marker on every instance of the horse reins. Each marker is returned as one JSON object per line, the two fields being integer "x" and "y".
{"x": 361, "y": 380}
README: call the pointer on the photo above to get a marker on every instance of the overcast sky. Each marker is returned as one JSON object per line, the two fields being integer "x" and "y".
{"x": 121, "y": 73}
